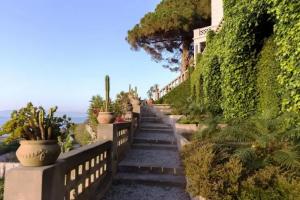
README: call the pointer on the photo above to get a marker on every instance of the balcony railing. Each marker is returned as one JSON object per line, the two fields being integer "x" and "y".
{"x": 84, "y": 173}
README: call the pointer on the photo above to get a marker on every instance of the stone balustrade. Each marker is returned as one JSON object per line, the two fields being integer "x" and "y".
{"x": 84, "y": 173}
{"x": 173, "y": 84}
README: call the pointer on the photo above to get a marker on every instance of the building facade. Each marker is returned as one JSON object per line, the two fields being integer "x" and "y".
{"x": 217, "y": 14}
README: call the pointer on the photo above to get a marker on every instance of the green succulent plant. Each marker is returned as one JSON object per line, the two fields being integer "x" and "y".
{"x": 107, "y": 90}
{"x": 33, "y": 123}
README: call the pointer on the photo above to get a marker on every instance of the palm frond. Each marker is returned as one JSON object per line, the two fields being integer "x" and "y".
{"x": 289, "y": 158}
{"x": 245, "y": 154}
{"x": 291, "y": 135}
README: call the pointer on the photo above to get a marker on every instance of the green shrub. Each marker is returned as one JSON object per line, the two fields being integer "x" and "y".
{"x": 1, "y": 189}
{"x": 82, "y": 136}
{"x": 96, "y": 103}
{"x": 252, "y": 159}
{"x": 268, "y": 87}
{"x": 211, "y": 175}
{"x": 272, "y": 184}
{"x": 179, "y": 97}
{"x": 8, "y": 147}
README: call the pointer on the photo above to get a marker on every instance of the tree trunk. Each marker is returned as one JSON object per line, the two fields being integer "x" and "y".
{"x": 185, "y": 58}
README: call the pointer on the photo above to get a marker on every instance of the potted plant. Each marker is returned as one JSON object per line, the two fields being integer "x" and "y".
{"x": 38, "y": 133}
{"x": 105, "y": 116}
{"x": 150, "y": 100}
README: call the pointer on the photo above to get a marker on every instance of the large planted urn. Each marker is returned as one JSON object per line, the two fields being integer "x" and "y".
{"x": 106, "y": 117}
{"x": 35, "y": 153}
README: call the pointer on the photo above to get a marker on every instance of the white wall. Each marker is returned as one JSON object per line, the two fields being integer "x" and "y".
{"x": 216, "y": 12}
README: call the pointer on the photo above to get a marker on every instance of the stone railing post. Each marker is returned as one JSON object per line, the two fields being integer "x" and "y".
{"x": 84, "y": 173}
{"x": 35, "y": 183}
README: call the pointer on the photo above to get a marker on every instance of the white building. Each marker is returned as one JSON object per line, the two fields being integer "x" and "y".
{"x": 200, "y": 33}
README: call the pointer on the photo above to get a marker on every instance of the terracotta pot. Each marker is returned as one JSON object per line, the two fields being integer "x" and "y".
{"x": 35, "y": 153}
{"x": 106, "y": 117}
{"x": 135, "y": 102}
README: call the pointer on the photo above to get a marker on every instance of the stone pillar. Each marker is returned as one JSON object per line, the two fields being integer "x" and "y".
{"x": 35, "y": 183}
{"x": 108, "y": 132}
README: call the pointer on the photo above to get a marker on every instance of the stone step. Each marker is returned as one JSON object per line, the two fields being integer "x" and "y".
{"x": 152, "y": 158}
{"x": 156, "y": 130}
{"x": 145, "y": 192}
{"x": 155, "y": 125}
{"x": 151, "y": 119}
{"x": 152, "y": 141}
{"x": 176, "y": 171}
{"x": 166, "y": 136}
{"x": 150, "y": 179}
{"x": 162, "y": 106}
{"x": 150, "y": 146}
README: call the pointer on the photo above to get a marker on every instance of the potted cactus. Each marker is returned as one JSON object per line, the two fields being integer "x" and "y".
{"x": 105, "y": 116}
{"x": 38, "y": 133}
{"x": 133, "y": 96}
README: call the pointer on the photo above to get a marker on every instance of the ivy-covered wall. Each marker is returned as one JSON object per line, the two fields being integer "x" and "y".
{"x": 268, "y": 87}
{"x": 226, "y": 76}
{"x": 178, "y": 97}
{"x": 287, "y": 38}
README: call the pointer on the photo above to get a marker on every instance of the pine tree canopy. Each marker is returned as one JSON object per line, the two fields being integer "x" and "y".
{"x": 167, "y": 33}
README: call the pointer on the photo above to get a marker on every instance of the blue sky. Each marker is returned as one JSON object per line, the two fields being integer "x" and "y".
{"x": 55, "y": 52}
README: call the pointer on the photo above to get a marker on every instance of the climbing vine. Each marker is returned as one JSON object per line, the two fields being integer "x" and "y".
{"x": 287, "y": 38}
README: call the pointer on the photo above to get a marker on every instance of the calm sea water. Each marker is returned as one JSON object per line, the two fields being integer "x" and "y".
{"x": 76, "y": 120}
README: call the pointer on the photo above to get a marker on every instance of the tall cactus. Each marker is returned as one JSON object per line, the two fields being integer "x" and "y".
{"x": 41, "y": 123}
{"x": 107, "y": 89}
{"x": 136, "y": 92}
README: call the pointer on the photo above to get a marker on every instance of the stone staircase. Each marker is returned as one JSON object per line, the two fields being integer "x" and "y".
{"x": 152, "y": 168}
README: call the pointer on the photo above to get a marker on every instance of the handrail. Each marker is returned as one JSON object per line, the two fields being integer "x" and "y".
{"x": 83, "y": 173}
{"x": 173, "y": 84}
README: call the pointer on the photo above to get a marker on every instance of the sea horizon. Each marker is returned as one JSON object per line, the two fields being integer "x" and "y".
{"x": 75, "y": 119}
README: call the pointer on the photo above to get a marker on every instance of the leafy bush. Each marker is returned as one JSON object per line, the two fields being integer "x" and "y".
{"x": 1, "y": 189}
{"x": 178, "y": 98}
{"x": 251, "y": 159}
{"x": 272, "y": 184}
{"x": 6, "y": 148}
{"x": 210, "y": 172}
{"x": 82, "y": 136}
{"x": 96, "y": 103}
{"x": 121, "y": 102}
{"x": 268, "y": 87}
{"x": 33, "y": 123}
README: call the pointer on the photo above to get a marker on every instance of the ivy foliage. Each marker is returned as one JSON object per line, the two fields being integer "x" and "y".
{"x": 179, "y": 97}
{"x": 268, "y": 87}
{"x": 236, "y": 50}
{"x": 206, "y": 78}
{"x": 287, "y": 38}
